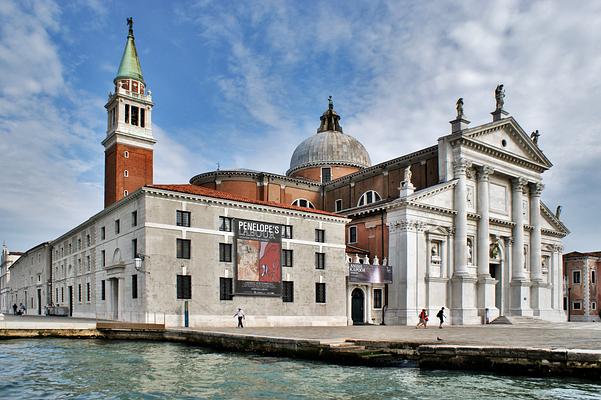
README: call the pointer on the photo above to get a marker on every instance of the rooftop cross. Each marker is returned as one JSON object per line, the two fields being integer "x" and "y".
{"x": 130, "y": 23}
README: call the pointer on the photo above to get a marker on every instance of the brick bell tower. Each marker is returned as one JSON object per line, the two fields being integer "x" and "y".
{"x": 128, "y": 146}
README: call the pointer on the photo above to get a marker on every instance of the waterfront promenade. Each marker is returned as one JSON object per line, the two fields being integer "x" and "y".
{"x": 536, "y": 334}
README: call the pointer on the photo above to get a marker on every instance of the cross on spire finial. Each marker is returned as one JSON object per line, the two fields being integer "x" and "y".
{"x": 130, "y": 23}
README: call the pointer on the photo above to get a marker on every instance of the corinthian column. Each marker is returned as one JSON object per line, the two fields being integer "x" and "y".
{"x": 517, "y": 270}
{"x": 483, "y": 224}
{"x": 459, "y": 169}
{"x": 535, "y": 237}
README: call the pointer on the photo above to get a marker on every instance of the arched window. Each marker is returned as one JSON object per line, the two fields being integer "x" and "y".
{"x": 371, "y": 196}
{"x": 303, "y": 203}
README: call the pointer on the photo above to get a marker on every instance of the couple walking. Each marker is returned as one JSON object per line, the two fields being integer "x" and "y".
{"x": 423, "y": 318}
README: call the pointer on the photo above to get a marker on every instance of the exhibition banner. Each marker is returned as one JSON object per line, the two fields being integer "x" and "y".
{"x": 366, "y": 273}
{"x": 258, "y": 268}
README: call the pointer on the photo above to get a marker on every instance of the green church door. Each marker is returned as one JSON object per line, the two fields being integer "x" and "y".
{"x": 357, "y": 307}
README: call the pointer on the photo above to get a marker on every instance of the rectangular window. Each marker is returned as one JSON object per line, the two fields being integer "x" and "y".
{"x": 183, "y": 248}
{"x": 225, "y": 252}
{"x": 117, "y": 227}
{"x": 88, "y": 240}
{"x": 134, "y": 248}
{"x": 127, "y": 113}
{"x": 288, "y": 291}
{"x": 326, "y": 174}
{"x": 102, "y": 233}
{"x": 593, "y": 305}
{"x": 576, "y": 277}
{"x": 134, "y": 115}
{"x": 338, "y": 205}
{"x": 320, "y": 235}
{"x": 62, "y": 295}
{"x": 184, "y": 287}
{"x": 320, "y": 292}
{"x": 377, "y": 298}
{"x": 576, "y": 305}
{"x": 57, "y": 295}
{"x": 225, "y": 224}
{"x": 78, "y": 244}
{"x": 102, "y": 289}
{"x": 88, "y": 291}
{"x": 320, "y": 260}
{"x": 286, "y": 258}
{"x": 182, "y": 218}
{"x": 134, "y": 218}
{"x": 287, "y": 233}
{"x": 352, "y": 234}
{"x": 142, "y": 117}
{"x": 134, "y": 286}
{"x": 79, "y": 292}
{"x": 593, "y": 276}
{"x": 88, "y": 263}
{"x": 225, "y": 289}
{"x": 103, "y": 258}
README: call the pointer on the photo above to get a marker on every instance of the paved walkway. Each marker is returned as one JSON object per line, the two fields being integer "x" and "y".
{"x": 548, "y": 335}
{"x": 568, "y": 335}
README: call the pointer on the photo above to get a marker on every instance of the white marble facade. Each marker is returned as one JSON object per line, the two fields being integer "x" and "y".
{"x": 481, "y": 238}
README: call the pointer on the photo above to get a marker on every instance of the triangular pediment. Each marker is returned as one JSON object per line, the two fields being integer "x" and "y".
{"x": 507, "y": 138}
{"x": 440, "y": 196}
{"x": 550, "y": 222}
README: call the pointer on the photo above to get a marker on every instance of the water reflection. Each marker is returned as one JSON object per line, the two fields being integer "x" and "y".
{"x": 95, "y": 369}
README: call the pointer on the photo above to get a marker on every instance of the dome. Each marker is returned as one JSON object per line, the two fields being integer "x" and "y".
{"x": 329, "y": 146}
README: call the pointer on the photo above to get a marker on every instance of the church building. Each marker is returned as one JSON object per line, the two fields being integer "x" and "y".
{"x": 333, "y": 241}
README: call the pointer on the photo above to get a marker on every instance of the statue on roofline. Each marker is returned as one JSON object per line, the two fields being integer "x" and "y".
{"x": 499, "y": 96}
{"x": 459, "y": 107}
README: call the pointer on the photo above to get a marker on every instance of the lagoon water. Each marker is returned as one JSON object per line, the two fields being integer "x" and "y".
{"x": 97, "y": 369}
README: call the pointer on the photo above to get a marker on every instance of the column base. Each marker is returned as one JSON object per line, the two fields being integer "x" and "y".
{"x": 486, "y": 298}
{"x": 401, "y": 316}
{"x": 520, "y": 298}
{"x": 463, "y": 301}
{"x": 539, "y": 294}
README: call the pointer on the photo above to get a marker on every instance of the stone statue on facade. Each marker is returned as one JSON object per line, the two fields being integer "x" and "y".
{"x": 499, "y": 97}
{"x": 459, "y": 107}
{"x": 558, "y": 212}
{"x": 407, "y": 177}
{"x": 494, "y": 249}
{"x": 534, "y": 136}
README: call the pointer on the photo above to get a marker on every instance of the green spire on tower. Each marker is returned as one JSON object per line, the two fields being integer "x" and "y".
{"x": 130, "y": 64}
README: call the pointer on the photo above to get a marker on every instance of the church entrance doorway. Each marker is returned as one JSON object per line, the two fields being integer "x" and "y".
{"x": 495, "y": 273}
{"x": 358, "y": 307}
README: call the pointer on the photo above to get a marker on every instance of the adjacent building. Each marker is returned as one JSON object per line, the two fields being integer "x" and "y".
{"x": 582, "y": 296}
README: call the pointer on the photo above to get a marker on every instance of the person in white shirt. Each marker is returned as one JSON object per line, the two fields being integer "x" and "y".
{"x": 241, "y": 316}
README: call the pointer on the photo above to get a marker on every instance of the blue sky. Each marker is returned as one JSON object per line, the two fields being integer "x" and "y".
{"x": 243, "y": 83}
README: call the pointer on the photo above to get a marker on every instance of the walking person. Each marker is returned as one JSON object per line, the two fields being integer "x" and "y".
{"x": 423, "y": 319}
{"x": 15, "y": 309}
{"x": 241, "y": 316}
{"x": 441, "y": 317}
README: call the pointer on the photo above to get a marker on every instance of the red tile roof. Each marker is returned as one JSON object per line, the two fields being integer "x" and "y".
{"x": 203, "y": 191}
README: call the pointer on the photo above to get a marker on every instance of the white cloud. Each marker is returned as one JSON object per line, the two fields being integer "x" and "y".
{"x": 410, "y": 63}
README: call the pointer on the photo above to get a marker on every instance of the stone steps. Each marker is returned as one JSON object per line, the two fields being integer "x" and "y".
{"x": 505, "y": 320}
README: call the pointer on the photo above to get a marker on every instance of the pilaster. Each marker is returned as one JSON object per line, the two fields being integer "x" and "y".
{"x": 538, "y": 287}
{"x": 520, "y": 285}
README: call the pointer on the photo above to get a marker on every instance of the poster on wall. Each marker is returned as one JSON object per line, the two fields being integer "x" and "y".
{"x": 258, "y": 269}
{"x": 366, "y": 273}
